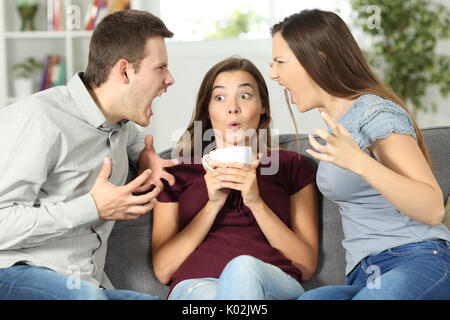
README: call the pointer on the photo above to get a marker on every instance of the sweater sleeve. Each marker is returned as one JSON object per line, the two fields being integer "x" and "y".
{"x": 171, "y": 193}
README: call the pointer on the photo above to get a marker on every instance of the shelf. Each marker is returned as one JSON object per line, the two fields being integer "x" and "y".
{"x": 35, "y": 35}
{"x": 47, "y": 34}
{"x": 80, "y": 33}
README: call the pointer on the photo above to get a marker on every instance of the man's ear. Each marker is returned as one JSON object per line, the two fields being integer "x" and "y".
{"x": 122, "y": 68}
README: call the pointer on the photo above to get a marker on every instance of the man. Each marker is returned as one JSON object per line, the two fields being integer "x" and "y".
{"x": 65, "y": 157}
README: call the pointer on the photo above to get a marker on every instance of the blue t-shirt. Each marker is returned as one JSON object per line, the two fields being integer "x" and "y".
{"x": 371, "y": 224}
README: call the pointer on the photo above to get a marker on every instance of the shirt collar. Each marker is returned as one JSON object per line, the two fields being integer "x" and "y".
{"x": 88, "y": 107}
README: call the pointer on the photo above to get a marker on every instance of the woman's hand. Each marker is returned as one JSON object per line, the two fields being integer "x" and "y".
{"x": 216, "y": 192}
{"x": 241, "y": 177}
{"x": 341, "y": 149}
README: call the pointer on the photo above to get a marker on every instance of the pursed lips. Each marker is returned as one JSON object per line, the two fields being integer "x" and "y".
{"x": 234, "y": 125}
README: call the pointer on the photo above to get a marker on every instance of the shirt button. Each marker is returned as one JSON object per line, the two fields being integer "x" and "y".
{"x": 435, "y": 252}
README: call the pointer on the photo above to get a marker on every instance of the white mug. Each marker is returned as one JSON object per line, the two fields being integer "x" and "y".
{"x": 240, "y": 154}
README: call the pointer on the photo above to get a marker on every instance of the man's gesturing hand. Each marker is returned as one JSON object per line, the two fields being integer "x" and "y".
{"x": 149, "y": 159}
{"x": 119, "y": 203}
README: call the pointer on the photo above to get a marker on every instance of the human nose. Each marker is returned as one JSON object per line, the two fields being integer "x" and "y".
{"x": 169, "y": 79}
{"x": 273, "y": 75}
{"x": 234, "y": 108}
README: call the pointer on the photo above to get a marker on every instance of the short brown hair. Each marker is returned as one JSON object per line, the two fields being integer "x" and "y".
{"x": 121, "y": 35}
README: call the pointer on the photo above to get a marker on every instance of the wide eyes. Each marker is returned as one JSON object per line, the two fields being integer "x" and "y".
{"x": 244, "y": 96}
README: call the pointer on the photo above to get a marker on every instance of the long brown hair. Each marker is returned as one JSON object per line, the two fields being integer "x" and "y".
{"x": 201, "y": 114}
{"x": 327, "y": 50}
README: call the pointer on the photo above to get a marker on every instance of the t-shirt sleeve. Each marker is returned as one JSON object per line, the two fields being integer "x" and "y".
{"x": 382, "y": 120}
{"x": 171, "y": 193}
{"x": 300, "y": 173}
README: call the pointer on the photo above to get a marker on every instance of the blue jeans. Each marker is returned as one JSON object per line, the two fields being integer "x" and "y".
{"x": 408, "y": 272}
{"x": 23, "y": 282}
{"x": 243, "y": 278}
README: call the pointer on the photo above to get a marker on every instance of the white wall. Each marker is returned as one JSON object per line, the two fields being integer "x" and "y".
{"x": 189, "y": 61}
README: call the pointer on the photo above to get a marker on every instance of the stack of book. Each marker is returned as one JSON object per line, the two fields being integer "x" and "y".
{"x": 56, "y": 15}
{"x": 54, "y": 73}
{"x": 97, "y": 9}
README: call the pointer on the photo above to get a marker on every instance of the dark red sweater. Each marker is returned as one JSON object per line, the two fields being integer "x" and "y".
{"x": 235, "y": 231}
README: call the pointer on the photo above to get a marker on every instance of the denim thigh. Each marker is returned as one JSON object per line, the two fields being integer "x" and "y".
{"x": 194, "y": 289}
{"x": 412, "y": 271}
{"x": 23, "y": 282}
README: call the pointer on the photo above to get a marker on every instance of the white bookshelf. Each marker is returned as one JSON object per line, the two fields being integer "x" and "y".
{"x": 71, "y": 45}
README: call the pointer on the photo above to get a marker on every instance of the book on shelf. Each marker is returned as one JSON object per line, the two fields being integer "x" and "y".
{"x": 97, "y": 9}
{"x": 56, "y": 15}
{"x": 54, "y": 72}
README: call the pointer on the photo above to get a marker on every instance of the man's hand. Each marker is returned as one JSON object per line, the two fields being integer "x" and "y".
{"x": 149, "y": 159}
{"x": 119, "y": 203}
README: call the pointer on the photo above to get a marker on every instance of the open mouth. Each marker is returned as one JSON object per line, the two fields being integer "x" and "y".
{"x": 164, "y": 90}
{"x": 234, "y": 125}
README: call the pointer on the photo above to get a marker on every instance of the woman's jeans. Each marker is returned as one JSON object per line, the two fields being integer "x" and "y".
{"x": 243, "y": 278}
{"x": 412, "y": 271}
{"x": 23, "y": 282}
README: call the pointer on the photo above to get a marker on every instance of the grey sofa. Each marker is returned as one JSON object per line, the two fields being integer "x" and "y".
{"x": 129, "y": 261}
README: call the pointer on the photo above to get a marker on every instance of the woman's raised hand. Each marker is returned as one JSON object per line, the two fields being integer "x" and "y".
{"x": 341, "y": 149}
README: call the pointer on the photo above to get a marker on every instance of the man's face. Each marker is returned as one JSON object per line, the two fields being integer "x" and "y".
{"x": 151, "y": 80}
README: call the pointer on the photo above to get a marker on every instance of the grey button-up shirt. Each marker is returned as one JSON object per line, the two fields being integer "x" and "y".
{"x": 52, "y": 146}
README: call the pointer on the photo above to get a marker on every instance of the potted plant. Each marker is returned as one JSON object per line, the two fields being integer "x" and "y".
{"x": 24, "y": 72}
{"x": 27, "y": 11}
{"x": 404, "y": 46}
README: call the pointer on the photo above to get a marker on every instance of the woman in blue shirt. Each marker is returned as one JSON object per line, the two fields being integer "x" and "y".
{"x": 374, "y": 164}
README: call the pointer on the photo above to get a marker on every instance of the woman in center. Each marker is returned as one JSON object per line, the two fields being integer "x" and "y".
{"x": 234, "y": 232}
